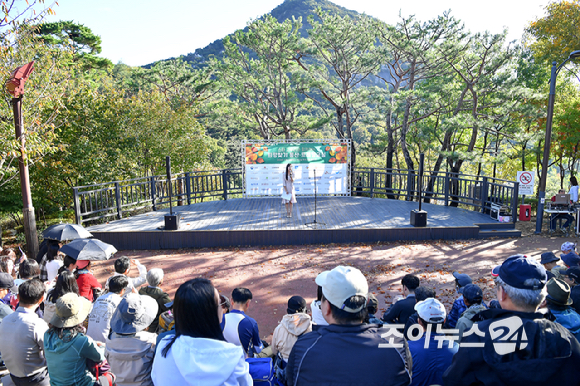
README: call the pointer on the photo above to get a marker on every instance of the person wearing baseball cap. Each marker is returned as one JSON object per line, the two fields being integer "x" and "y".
{"x": 572, "y": 277}
{"x": 473, "y": 297}
{"x": 347, "y": 351}
{"x": 569, "y": 256}
{"x": 536, "y": 351}
{"x": 459, "y": 306}
{"x": 429, "y": 360}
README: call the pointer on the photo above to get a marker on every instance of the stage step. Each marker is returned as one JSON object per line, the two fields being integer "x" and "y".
{"x": 502, "y": 232}
{"x": 496, "y": 225}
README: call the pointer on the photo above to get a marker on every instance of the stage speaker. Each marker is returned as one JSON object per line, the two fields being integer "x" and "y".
{"x": 171, "y": 222}
{"x": 419, "y": 218}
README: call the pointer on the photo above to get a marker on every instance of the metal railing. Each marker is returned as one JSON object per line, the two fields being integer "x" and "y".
{"x": 114, "y": 199}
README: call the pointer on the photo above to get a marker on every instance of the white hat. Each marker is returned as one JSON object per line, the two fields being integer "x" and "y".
{"x": 431, "y": 310}
{"x": 341, "y": 284}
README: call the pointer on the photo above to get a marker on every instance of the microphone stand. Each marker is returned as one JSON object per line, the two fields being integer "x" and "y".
{"x": 315, "y": 206}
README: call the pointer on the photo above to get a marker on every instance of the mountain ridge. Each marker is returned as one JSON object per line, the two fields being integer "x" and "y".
{"x": 284, "y": 11}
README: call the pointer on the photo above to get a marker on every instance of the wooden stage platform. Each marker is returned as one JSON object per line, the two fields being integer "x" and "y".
{"x": 263, "y": 221}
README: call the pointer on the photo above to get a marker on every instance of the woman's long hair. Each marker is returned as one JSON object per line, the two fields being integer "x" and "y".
{"x": 196, "y": 312}
{"x": 52, "y": 250}
{"x": 288, "y": 167}
{"x": 65, "y": 283}
{"x": 65, "y": 263}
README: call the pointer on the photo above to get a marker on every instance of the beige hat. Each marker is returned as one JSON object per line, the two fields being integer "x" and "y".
{"x": 71, "y": 310}
{"x": 342, "y": 283}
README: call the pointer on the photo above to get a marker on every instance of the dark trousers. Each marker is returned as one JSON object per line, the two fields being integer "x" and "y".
{"x": 566, "y": 216}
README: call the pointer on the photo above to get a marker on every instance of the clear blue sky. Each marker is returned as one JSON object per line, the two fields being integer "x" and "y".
{"x": 137, "y": 32}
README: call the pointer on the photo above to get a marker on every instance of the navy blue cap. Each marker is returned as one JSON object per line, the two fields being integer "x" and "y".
{"x": 548, "y": 257}
{"x": 472, "y": 293}
{"x": 571, "y": 259}
{"x": 515, "y": 270}
{"x": 462, "y": 279}
{"x": 573, "y": 273}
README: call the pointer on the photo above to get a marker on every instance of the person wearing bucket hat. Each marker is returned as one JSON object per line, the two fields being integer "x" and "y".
{"x": 67, "y": 348}
{"x": 558, "y": 302}
{"x": 459, "y": 306}
{"x": 569, "y": 256}
{"x": 550, "y": 262}
{"x": 535, "y": 351}
{"x": 130, "y": 349}
{"x": 429, "y": 360}
{"x": 329, "y": 354}
{"x": 473, "y": 297}
{"x": 85, "y": 280}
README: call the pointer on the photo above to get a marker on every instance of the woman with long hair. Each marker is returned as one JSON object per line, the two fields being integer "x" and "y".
{"x": 50, "y": 262}
{"x": 66, "y": 282}
{"x": 288, "y": 186}
{"x": 198, "y": 353}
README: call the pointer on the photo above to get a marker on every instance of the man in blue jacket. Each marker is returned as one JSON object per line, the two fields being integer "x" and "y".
{"x": 348, "y": 351}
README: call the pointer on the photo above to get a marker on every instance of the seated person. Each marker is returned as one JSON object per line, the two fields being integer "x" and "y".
{"x": 558, "y": 302}
{"x": 421, "y": 293}
{"x": 239, "y": 328}
{"x": 154, "y": 290}
{"x": 295, "y": 323}
{"x": 130, "y": 349}
{"x": 473, "y": 298}
{"x": 461, "y": 280}
{"x": 400, "y": 311}
{"x": 555, "y": 216}
{"x": 123, "y": 266}
{"x": 372, "y": 309}
{"x": 550, "y": 261}
{"x": 104, "y": 308}
{"x": 569, "y": 256}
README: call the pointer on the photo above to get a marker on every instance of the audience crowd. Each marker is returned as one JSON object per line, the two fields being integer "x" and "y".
{"x": 58, "y": 327}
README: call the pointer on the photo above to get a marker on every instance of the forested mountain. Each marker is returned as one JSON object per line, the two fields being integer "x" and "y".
{"x": 285, "y": 11}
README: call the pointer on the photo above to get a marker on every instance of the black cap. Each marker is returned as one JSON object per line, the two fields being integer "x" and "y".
{"x": 515, "y": 270}
{"x": 548, "y": 257}
{"x": 573, "y": 273}
{"x": 296, "y": 304}
{"x": 6, "y": 281}
{"x": 472, "y": 293}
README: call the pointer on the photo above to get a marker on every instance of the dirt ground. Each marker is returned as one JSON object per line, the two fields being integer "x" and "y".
{"x": 274, "y": 274}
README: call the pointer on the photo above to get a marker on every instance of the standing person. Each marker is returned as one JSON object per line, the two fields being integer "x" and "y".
{"x": 198, "y": 354}
{"x": 536, "y": 352}
{"x": 130, "y": 349}
{"x": 66, "y": 282}
{"x": 50, "y": 263}
{"x": 123, "y": 267}
{"x": 347, "y": 351}
{"x": 239, "y": 328}
{"x": 66, "y": 347}
{"x": 104, "y": 308}
{"x": 22, "y": 337}
{"x": 155, "y": 280}
{"x": 573, "y": 189}
{"x": 288, "y": 185}
{"x": 86, "y": 281}
{"x": 400, "y": 311}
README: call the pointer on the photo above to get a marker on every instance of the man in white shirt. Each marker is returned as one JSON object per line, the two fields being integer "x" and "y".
{"x": 104, "y": 308}
{"x": 122, "y": 267}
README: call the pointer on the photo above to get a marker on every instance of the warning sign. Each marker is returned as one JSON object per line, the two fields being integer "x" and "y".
{"x": 526, "y": 180}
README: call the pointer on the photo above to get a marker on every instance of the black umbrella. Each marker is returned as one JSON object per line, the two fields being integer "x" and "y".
{"x": 66, "y": 232}
{"x": 88, "y": 249}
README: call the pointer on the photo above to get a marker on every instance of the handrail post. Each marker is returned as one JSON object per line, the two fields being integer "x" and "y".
{"x": 153, "y": 193}
{"x": 77, "y": 206}
{"x": 515, "y": 202}
{"x": 188, "y": 188}
{"x": 225, "y": 183}
{"x": 447, "y": 185}
{"x": 484, "y": 193}
{"x": 409, "y": 184}
{"x": 118, "y": 199}
{"x": 372, "y": 182}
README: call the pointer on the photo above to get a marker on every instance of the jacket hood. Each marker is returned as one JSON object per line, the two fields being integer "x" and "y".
{"x": 472, "y": 310}
{"x": 204, "y": 361}
{"x": 56, "y": 345}
{"x": 296, "y": 324}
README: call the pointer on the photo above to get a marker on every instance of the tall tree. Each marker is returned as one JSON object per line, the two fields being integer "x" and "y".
{"x": 340, "y": 53}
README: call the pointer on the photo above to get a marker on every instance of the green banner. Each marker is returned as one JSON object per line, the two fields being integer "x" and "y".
{"x": 301, "y": 153}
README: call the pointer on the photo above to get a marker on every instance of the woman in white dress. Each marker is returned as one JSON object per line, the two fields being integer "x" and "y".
{"x": 288, "y": 183}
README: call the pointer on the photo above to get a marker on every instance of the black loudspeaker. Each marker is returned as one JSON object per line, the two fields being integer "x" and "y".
{"x": 419, "y": 218}
{"x": 171, "y": 222}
